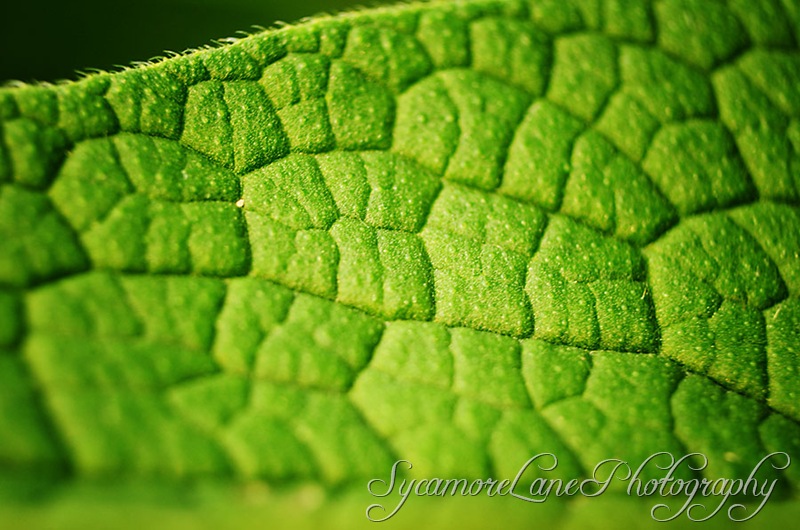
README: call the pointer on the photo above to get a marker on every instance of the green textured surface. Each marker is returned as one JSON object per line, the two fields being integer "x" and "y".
{"x": 458, "y": 234}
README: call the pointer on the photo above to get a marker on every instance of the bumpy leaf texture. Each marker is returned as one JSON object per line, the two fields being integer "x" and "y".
{"x": 459, "y": 234}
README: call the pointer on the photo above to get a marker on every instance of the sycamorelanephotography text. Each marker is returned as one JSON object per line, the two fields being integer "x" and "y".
{"x": 698, "y": 499}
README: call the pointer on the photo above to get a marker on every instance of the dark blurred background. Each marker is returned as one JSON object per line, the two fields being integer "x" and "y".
{"x": 48, "y": 40}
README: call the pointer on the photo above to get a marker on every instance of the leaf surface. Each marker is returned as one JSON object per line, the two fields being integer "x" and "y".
{"x": 458, "y": 234}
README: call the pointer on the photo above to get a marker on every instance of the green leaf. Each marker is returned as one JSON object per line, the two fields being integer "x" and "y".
{"x": 459, "y": 234}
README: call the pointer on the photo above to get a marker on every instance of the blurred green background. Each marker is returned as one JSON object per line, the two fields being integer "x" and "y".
{"x": 48, "y": 40}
